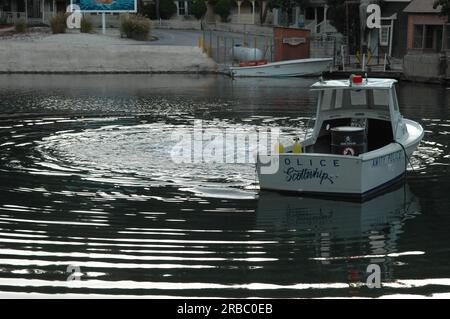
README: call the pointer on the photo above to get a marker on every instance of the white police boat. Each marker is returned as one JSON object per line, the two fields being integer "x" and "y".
{"x": 360, "y": 143}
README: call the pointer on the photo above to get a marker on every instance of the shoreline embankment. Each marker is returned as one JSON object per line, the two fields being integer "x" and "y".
{"x": 38, "y": 57}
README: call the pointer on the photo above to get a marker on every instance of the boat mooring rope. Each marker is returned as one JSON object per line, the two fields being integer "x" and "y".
{"x": 407, "y": 159}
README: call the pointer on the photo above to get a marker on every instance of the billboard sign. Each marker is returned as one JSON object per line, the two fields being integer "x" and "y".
{"x": 106, "y": 5}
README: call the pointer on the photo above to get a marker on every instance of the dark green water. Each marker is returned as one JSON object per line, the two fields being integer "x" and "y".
{"x": 87, "y": 180}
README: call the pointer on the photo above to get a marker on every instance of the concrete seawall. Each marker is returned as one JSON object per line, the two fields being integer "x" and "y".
{"x": 35, "y": 57}
{"x": 427, "y": 67}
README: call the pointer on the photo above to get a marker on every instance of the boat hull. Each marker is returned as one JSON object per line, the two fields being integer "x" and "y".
{"x": 339, "y": 175}
{"x": 329, "y": 175}
{"x": 302, "y": 67}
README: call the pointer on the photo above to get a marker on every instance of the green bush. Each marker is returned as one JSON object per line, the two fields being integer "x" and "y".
{"x": 58, "y": 23}
{"x": 20, "y": 26}
{"x": 86, "y": 25}
{"x": 3, "y": 21}
{"x": 135, "y": 27}
{"x": 167, "y": 8}
{"x": 222, "y": 8}
{"x": 198, "y": 9}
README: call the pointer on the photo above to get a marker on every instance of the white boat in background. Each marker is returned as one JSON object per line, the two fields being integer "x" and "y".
{"x": 240, "y": 53}
{"x": 301, "y": 67}
{"x": 360, "y": 143}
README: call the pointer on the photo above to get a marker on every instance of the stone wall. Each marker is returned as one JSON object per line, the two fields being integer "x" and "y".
{"x": 425, "y": 67}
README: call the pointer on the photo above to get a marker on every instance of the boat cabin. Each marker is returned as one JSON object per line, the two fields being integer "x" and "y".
{"x": 355, "y": 116}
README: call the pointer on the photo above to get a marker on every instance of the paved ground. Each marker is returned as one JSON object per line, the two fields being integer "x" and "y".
{"x": 79, "y": 52}
{"x": 176, "y": 37}
{"x": 112, "y": 36}
{"x": 190, "y": 37}
{"x": 162, "y": 37}
{"x": 220, "y": 43}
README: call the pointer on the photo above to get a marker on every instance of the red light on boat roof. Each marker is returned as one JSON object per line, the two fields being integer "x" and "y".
{"x": 356, "y": 79}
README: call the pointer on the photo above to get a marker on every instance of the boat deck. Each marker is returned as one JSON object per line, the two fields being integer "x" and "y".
{"x": 322, "y": 145}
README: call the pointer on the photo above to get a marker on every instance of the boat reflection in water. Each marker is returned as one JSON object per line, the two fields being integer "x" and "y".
{"x": 342, "y": 237}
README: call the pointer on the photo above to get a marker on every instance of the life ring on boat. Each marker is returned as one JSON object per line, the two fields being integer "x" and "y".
{"x": 348, "y": 151}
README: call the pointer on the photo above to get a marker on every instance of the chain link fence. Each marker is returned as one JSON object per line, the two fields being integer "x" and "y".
{"x": 221, "y": 45}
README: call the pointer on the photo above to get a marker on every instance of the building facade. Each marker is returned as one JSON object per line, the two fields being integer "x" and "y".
{"x": 394, "y": 25}
{"x": 427, "y": 41}
{"x": 32, "y": 11}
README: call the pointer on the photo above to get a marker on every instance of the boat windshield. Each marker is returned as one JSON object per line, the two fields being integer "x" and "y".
{"x": 338, "y": 99}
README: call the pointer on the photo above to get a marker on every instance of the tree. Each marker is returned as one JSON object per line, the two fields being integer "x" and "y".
{"x": 198, "y": 9}
{"x": 445, "y": 7}
{"x": 263, "y": 13}
{"x": 222, "y": 8}
{"x": 167, "y": 8}
{"x": 147, "y": 9}
{"x": 345, "y": 18}
{"x": 284, "y": 5}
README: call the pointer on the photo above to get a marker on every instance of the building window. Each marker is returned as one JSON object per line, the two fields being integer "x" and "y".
{"x": 6, "y": 6}
{"x": 428, "y": 37}
{"x": 418, "y": 37}
{"x": 438, "y": 33}
{"x": 433, "y": 38}
{"x": 181, "y": 8}
{"x": 309, "y": 13}
{"x": 448, "y": 37}
{"x": 189, "y": 7}
{"x": 184, "y": 8}
{"x": 384, "y": 35}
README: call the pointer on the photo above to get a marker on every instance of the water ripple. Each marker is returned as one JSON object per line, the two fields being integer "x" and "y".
{"x": 88, "y": 181}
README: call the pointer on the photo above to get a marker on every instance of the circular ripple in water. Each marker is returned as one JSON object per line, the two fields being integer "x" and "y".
{"x": 212, "y": 158}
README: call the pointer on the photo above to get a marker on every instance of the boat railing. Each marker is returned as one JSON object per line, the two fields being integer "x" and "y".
{"x": 309, "y": 127}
